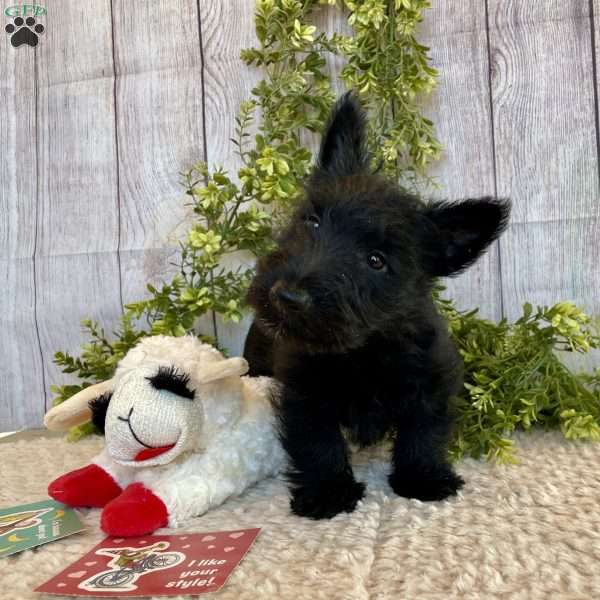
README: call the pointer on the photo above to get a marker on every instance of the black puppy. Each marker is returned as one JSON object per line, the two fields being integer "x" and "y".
{"x": 345, "y": 320}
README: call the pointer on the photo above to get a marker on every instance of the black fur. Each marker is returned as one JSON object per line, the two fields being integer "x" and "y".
{"x": 172, "y": 380}
{"x": 345, "y": 319}
{"x": 99, "y": 406}
{"x": 344, "y": 149}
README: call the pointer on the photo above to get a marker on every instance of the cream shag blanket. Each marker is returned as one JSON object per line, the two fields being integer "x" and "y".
{"x": 519, "y": 532}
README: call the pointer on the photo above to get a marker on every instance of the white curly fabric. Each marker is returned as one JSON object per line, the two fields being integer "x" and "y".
{"x": 217, "y": 444}
{"x": 520, "y": 532}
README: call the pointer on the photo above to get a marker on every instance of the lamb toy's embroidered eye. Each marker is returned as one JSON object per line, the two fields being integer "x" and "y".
{"x": 99, "y": 406}
{"x": 172, "y": 380}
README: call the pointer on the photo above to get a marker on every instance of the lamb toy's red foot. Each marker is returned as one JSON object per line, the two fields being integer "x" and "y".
{"x": 89, "y": 486}
{"x": 133, "y": 511}
{"x": 137, "y": 511}
{"x": 194, "y": 454}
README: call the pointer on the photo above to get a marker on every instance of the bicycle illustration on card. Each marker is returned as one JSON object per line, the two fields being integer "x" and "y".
{"x": 128, "y": 564}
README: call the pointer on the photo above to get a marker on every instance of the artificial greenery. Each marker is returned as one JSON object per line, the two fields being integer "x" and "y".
{"x": 513, "y": 376}
{"x": 239, "y": 213}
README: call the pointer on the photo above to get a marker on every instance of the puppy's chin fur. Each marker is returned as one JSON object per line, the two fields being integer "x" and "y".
{"x": 283, "y": 334}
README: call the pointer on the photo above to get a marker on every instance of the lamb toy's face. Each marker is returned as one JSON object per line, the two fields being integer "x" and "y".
{"x": 168, "y": 395}
{"x": 152, "y": 417}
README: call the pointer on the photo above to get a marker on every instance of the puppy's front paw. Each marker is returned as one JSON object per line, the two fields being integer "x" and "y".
{"x": 427, "y": 484}
{"x": 326, "y": 501}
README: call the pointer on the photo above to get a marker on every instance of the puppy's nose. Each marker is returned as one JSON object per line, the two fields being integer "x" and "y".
{"x": 290, "y": 298}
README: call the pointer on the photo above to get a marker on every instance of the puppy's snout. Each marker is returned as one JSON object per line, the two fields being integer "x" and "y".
{"x": 289, "y": 297}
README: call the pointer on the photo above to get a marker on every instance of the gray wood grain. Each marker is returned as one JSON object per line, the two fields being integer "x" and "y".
{"x": 460, "y": 109}
{"x": 159, "y": 135}
{"x": 90, "y": 203}
{"x": 547, "y": 160}
{"x": 21, "y": 375}
{"x": 77, "y": 269}
{"x": 227, "y": 28}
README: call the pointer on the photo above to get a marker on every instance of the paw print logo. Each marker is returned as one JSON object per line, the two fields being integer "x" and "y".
{"x": 24, "y": 31}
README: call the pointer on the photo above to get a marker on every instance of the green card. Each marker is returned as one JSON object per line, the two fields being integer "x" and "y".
{"x": 30, "y": 525}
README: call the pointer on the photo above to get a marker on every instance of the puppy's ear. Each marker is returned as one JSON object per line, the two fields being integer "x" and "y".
{"x": 343, "y": 147}
{"x": 456, "y": 234}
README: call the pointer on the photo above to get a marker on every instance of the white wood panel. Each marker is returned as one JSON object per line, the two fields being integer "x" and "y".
{"x": 21, "y": 374}
{"x": 227, "y": 28}
{"x": 77, "y": 270}
{"x": 159, "y": 135}
{"x": 456, "y": 32}
{"x": 103, "y": 215}
{"x": 544, "y": 115}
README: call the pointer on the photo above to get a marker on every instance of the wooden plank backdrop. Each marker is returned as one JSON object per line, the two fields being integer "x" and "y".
{"x": 98, "y": 120}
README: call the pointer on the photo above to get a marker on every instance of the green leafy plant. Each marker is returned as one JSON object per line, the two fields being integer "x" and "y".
{"x": 391, "y": 70}
{"x": 514, "y": 378}
{"x": 239, "y": 213}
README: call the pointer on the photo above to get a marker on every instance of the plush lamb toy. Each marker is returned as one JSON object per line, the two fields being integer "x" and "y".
{"x": 184, "y": 432}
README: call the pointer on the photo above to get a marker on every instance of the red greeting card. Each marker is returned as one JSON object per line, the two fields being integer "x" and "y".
{"x": 154, "y": 565}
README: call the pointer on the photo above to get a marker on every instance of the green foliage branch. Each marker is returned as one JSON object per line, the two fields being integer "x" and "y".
{"x": 514, "y": 379}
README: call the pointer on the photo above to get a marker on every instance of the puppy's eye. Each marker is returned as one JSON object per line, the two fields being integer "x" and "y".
{"x": 172, "y": 380}
{"x": 376, "y": 261}
{"x": 312, "y": 221}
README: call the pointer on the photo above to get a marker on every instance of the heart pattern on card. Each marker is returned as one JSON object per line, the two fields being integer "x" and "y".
{"x": 76, "y": 574}
{"x": 97, "y": 570}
